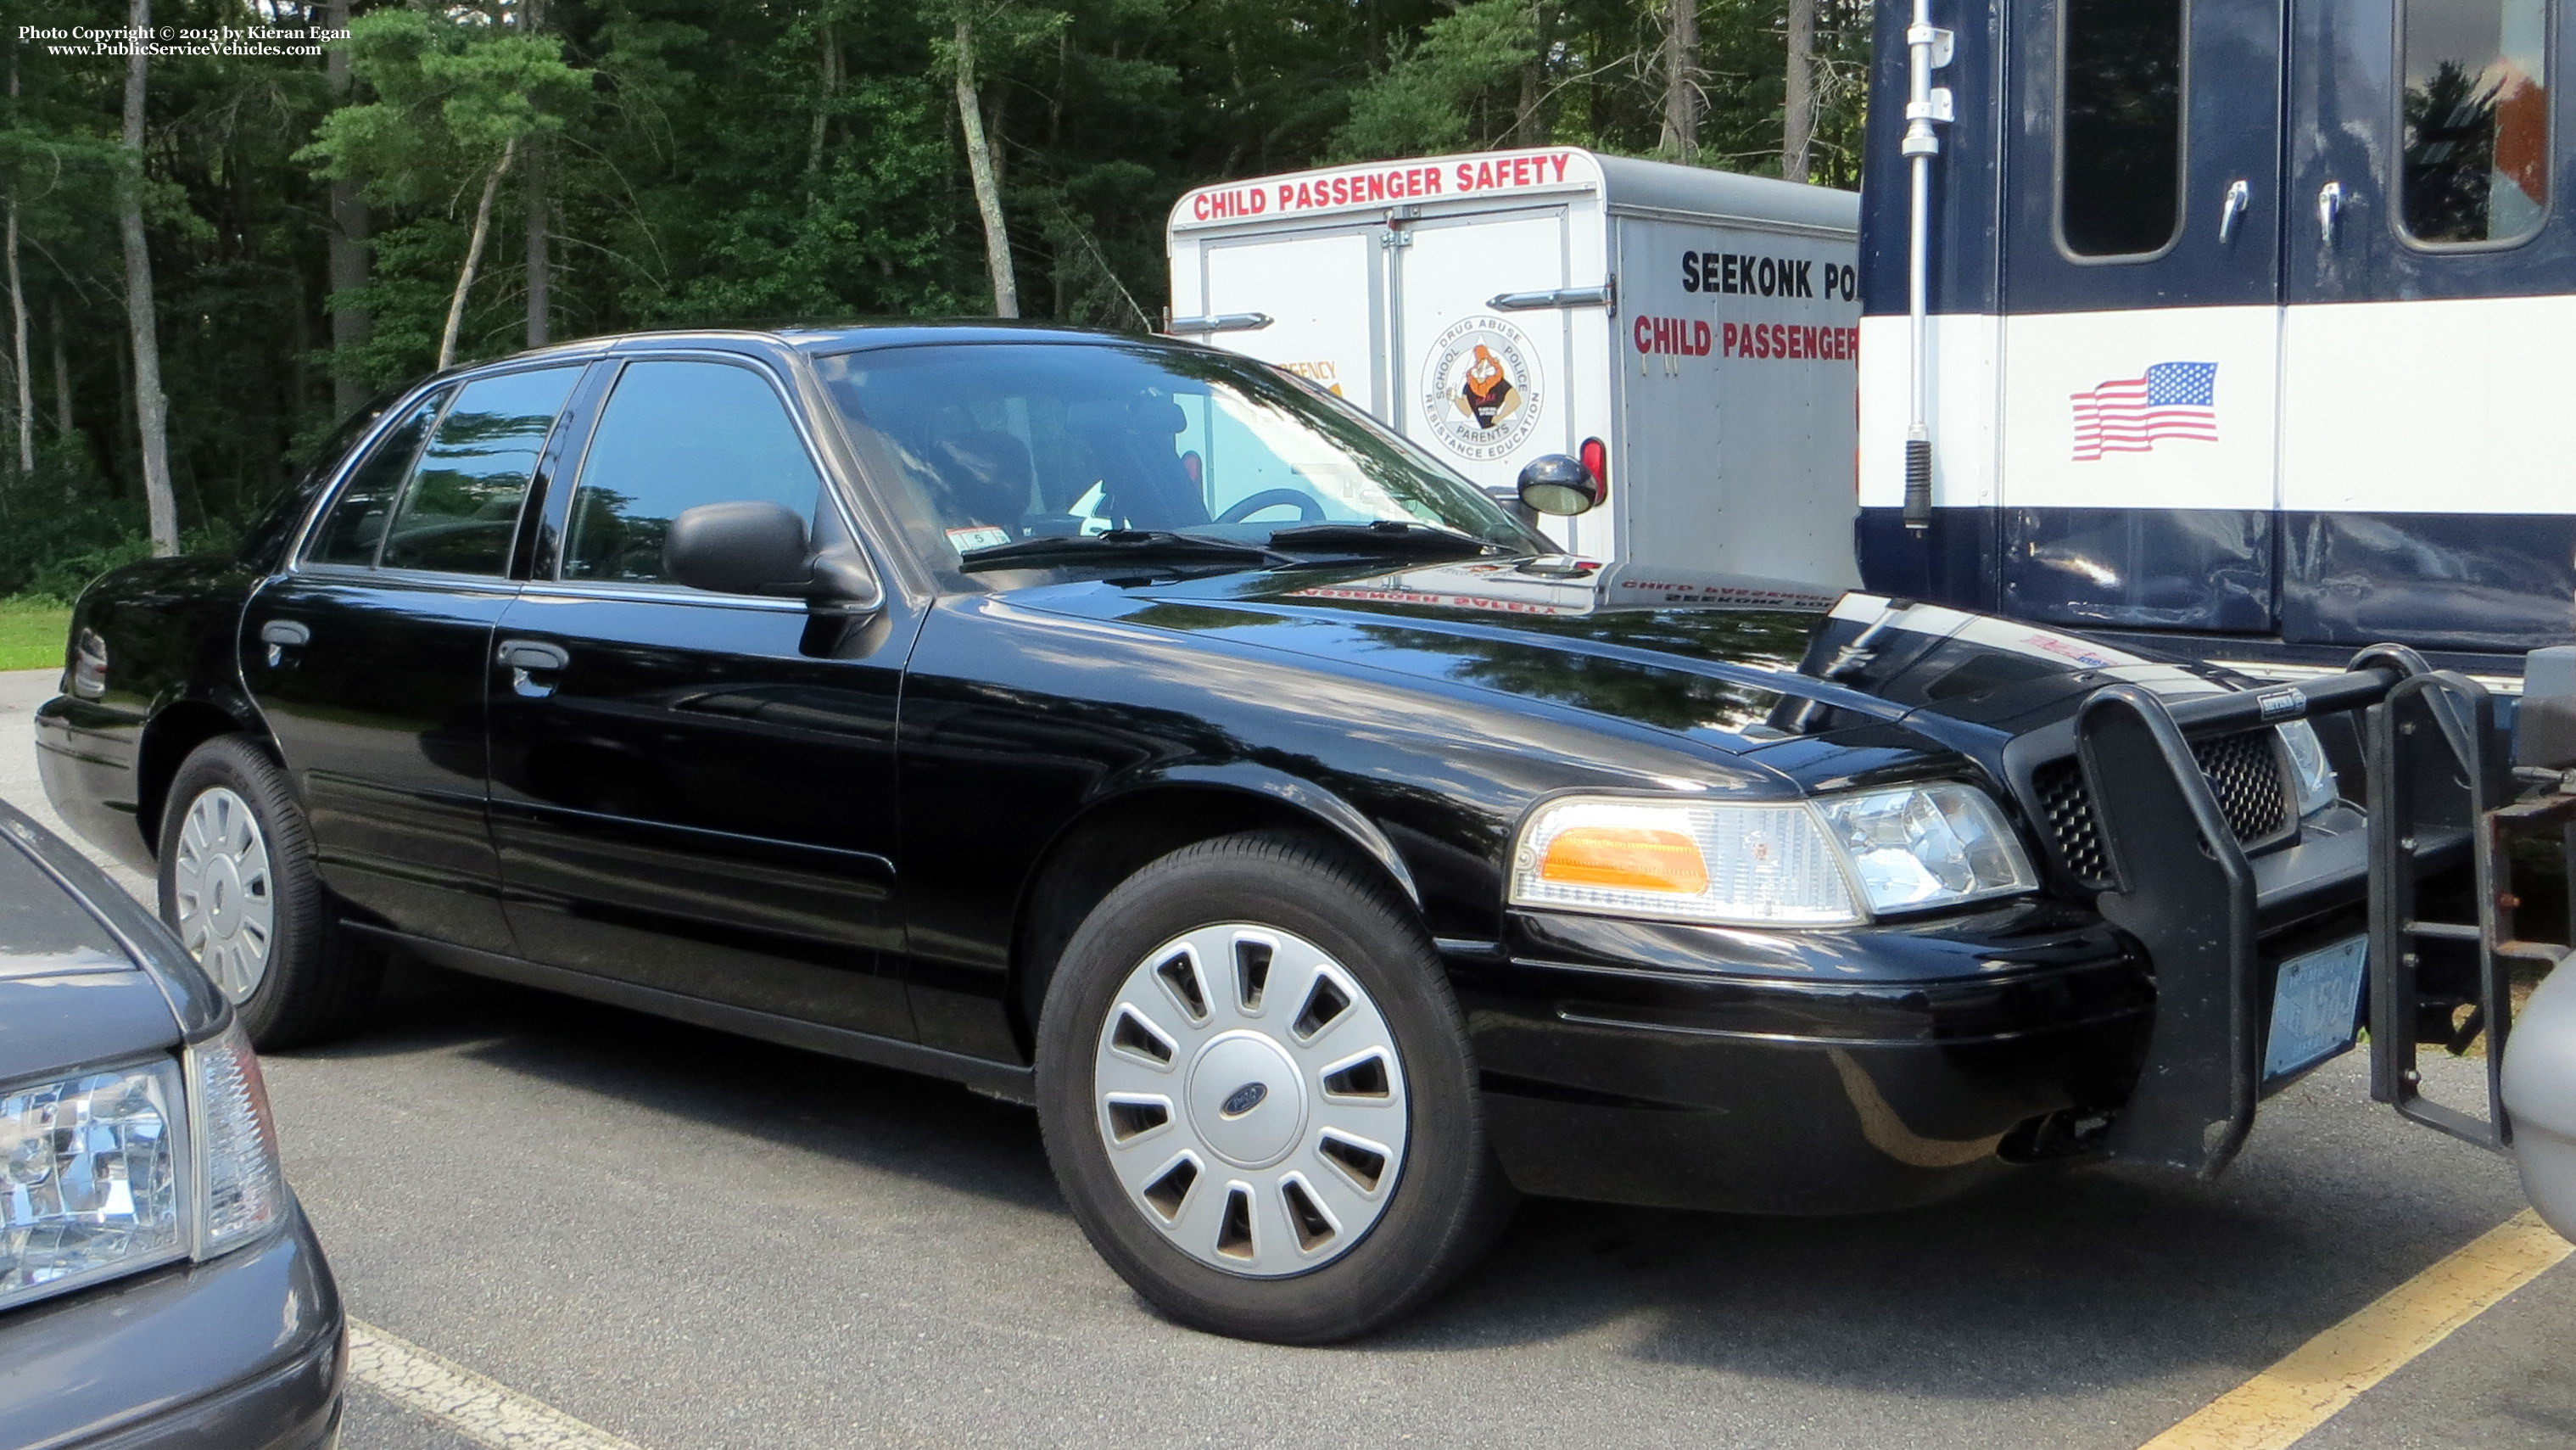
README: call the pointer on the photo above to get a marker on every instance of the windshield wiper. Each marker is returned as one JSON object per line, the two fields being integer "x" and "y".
{"x": 1385, "y": 536}
{"x": 1158, "y": 546}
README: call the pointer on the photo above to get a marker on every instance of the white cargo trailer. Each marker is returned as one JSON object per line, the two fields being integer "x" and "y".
{"x": 1689, "y": 334}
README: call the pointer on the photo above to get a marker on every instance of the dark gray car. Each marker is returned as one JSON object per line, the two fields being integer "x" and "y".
{"x": 158, "y": 1283}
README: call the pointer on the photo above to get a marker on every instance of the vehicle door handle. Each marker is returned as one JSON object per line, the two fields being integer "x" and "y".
{"x": 2329, "y": 210}
{"x": 528, "y": 658}
{"x": 529, "y": 654}
{"x": 281, "y": 635}
{"x": 2240, "y": 195}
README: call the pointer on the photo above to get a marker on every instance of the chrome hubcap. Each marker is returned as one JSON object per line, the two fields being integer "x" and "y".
{"x": 226, "y": 892}
{"x": 1251, "y": 1099}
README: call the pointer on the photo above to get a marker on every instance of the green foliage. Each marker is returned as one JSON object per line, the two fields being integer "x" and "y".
{"x": 33, "y": 633}
{"x": 453, "y": 90}
{"x": 1431, "y": 88}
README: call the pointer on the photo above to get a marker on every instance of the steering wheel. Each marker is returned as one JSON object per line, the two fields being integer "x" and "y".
{"x": 1309, "y": 509}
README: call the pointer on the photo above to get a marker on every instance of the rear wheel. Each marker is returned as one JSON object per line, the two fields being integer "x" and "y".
{"x": 1257, "y": 1095}
{"x": 239, "y": 887}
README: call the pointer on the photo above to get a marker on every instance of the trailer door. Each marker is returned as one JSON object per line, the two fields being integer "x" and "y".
{"x": 1485, "y": 390}
{"x": 1321, "y": 292}
{"x": 2427, "y": 369}
{"x": 2141, "y": 301}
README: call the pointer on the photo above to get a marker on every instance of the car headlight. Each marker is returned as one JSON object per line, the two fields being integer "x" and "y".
{"x": 91, "y": 1168}
{"x": 2318, "y": 787}
{"x": 1833, "y": 861}
{"x": 112, "y": 1170}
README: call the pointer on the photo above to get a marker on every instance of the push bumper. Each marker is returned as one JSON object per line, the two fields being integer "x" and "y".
{"x": 1810, "y": 1073}
{"x": 243, "y": 1353}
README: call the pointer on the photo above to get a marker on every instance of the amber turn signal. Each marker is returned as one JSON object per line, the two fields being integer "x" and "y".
{"x": 1625, "y": 858}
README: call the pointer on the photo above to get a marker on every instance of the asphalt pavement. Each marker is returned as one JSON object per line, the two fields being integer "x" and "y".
{"x": 691, "y": 1240}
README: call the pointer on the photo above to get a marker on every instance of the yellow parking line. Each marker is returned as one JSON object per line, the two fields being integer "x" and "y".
{"x": 2277, "y": 1408}
{"x": 484, "y": 1411}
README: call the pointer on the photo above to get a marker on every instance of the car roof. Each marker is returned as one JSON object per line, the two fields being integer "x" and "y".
{"x": 823, "y": 338}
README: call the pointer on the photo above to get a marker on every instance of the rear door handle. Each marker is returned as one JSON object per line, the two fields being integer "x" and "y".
{"x": 281, "y": 635}
{"x": 529, "y": 654}
{"x": 528, "y": 658}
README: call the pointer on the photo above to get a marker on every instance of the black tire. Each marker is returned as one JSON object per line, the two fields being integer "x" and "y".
{"x": 1449, "y": 1198}
{"x": 317, "y": 983}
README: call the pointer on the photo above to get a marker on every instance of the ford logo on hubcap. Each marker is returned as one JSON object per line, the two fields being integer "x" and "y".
{"x": 1243, "y": 1100}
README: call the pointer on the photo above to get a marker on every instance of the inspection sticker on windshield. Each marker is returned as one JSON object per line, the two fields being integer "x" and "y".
{"x": 981, "y": 536}
{"x": 2315, "y": 1006}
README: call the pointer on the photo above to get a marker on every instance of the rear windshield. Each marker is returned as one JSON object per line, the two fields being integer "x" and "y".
{"x": 996, "y": 442}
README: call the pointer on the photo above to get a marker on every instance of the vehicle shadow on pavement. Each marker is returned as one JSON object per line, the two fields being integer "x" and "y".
{"x": 2057, "y": 1281}
{"x": 875, "y": 1117}
{"x": 2054, "y": 1282}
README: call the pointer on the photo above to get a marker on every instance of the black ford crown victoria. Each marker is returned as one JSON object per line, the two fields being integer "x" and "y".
{"x": 1127, "y": 728}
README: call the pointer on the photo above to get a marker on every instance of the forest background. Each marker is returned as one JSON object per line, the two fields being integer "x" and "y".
{"x": 210, "y": 259}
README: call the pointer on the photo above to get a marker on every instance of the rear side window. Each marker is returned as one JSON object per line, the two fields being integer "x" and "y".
{"x": 462, "y": 508}
{"x": 356, "y": 524}
{"x": 2476, "y": 119}
{"x": 673, "y": 436}
{"x": 2119, "y": 150}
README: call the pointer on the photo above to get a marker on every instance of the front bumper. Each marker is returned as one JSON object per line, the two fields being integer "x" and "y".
{"x": 1794, "y": 1072}
{"x": 242, "y": 1353}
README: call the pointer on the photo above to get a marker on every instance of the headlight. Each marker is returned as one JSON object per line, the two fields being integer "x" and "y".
{"x": 1932, "y": 845}
{"x": 1828, "y": 862}
{"x": 2318, "y": 787}
{"x": 90, "y": 1178}
{"x": 113, "y": 1170}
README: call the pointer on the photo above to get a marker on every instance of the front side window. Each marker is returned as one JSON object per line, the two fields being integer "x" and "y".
{"x": 462, "y": 509}
{"x": 673, "y": 436}
{"x": 998, "y": 442}
{"x": 2476, "y": 120}
{"x": 2119, "y": 154}
{"x": 350, "y": 533}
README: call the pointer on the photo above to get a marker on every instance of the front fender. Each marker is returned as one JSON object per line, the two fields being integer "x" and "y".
{"x": 1305, "y": 796}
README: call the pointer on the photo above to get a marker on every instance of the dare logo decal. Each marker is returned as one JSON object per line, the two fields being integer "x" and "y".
{"x": 1481, "y": 389}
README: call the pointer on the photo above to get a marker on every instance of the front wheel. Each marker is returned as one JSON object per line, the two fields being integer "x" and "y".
{"x": 1256, "y": 1092}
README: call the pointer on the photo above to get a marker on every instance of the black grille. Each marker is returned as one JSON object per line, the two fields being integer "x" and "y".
{"x": 2066, "y": 808}
{"x": 2244, "y": 773}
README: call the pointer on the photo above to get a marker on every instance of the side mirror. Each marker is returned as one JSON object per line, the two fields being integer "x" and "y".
{"x": 745, "y": 547}
{"x": 749, "y": 547}
{"x": 1556, "y": 484}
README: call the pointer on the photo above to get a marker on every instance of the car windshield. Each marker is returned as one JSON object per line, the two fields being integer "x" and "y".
{"x": 1003, "y": 441}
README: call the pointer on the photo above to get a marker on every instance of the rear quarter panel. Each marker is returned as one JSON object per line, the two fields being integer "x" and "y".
{"x": 170, "y": 629}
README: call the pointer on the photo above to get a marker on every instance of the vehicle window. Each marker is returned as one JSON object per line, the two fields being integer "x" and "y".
{"x": 356, "y": 524}
{"x": 1002, "y": 441}
{"x": 2119, "y": 155}
{"x": 675, "y": 435}
{"x": 2476, "y": 109}
{"x": 462, "y": 508}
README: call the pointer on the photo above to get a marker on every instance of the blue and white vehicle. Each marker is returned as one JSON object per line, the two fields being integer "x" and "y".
{"x": 2247, "y": 327}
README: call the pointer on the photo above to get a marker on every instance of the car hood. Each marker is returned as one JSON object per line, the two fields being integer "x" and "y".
{"x": 1737, "y": 662}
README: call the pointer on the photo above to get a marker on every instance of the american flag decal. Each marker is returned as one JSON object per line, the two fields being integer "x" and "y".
{"x": 2133, "y": 415}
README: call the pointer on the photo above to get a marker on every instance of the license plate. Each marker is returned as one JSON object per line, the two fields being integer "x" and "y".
{"x": 2315, "y": 1005}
